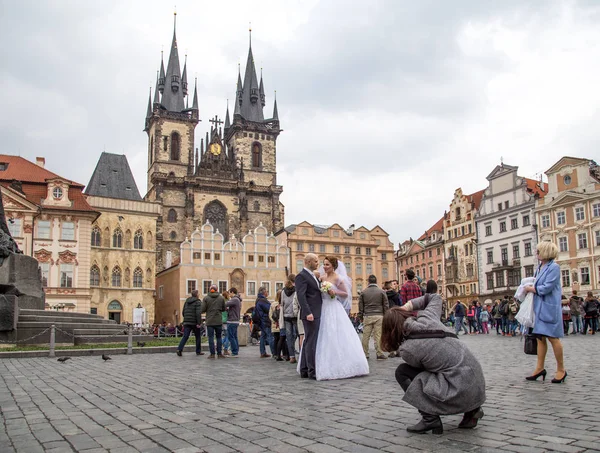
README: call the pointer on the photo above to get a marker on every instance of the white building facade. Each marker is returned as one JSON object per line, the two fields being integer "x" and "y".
{"x": 506, "y": 231}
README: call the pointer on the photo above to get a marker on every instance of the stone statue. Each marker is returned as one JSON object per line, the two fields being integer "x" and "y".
{"x": 7, "y": 243}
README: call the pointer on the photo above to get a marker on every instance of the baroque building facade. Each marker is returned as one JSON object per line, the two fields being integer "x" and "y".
{"x": 362, "y": 251}
{"x": 462, "y": 281}
{"x": 506, "y": 231}
{"x": 230, "y": 180}
{"x": 123, "y": 244}
{"x": 569, "y": 216}
{"x": 206, "y": 258}
{"x": 425, "y": 256}
{"x": 50, "y": 219}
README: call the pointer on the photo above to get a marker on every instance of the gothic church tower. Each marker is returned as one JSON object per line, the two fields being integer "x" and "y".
{"x": 231, "y": 182}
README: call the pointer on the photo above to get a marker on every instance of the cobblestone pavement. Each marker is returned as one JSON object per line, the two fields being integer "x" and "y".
{"x": 161, "y": 402}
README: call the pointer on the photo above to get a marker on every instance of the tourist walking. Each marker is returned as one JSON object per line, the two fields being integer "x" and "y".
{"x": 234, "y": 307}
{"x": 213, "y": 305}
{"x": 290, "y": 316}
{"x": 262, "y": 307}
{"x": 577, "y": 312}
{"x": 372, "y": 305}
{"x": 192, "y": 322}
{"x": 459, "y": 317}
{"x": 591, "y": 307}
{"x": 440, "y": 375}
{"x": 548, "y": 314}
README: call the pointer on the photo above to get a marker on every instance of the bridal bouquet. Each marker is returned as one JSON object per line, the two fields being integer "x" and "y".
{"x": 326, "y": 287}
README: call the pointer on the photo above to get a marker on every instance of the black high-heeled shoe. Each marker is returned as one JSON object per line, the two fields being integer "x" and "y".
{"x": 535, "y": 376}
{"x": 561, "y": 380}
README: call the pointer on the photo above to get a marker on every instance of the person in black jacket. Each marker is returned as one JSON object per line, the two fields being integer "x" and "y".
{"x": 192, "y": 320}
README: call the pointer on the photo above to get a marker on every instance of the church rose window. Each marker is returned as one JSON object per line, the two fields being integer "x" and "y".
{"x": 175, "y": 146}
{"x": 216, "y": 214}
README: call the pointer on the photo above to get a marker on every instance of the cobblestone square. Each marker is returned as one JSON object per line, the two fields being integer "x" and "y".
{"x": 164, "y": 403}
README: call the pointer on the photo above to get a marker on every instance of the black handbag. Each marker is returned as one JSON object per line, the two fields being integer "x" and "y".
{"x": 530, "y": 346}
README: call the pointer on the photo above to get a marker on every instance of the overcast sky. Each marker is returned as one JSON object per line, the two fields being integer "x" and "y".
{"x": 387, "y": 106}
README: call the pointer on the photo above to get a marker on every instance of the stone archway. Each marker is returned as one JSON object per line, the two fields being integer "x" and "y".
{"x": 115, "y": 311}
{"x": 216, "y": 213}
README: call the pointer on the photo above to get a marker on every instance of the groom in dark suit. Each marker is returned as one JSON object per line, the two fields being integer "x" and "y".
{"x": 309, "y": 297}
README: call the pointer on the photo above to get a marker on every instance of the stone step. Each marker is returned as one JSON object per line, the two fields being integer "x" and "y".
{"x": 69, "y": 325}
{"x": 112, "y": 339}
{"x": 57, "y": 319}
{"x": 94, "y": 331}
{"x": 27, "y": 311}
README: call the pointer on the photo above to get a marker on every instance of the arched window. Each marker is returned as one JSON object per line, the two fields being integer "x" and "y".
{"x": 256, "y": 206}
{"x": 172, "y": 216}
{"x": 94, "y": 276}
{"x": 138, "y": 278}
{"x": 118, "y": 238}
{"x": 173, "y": 235}
{"x": 256, "y": 155}
{"x": 138, "y": 240}
{"x": 96, "y": 237}
{"x": 116, "y": 277}
{"x": 175, "y": 146}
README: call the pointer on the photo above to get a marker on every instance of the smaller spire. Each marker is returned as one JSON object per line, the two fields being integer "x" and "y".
{"x": 240, "y": 87}
{"x": 157, "y": 90}
{"x": 201, "y": 147}
{"x": 149, "y": 111}
{"x": 207, "y": 141}
{"x": 227, "y": 121}
{"x": 161, "y": 77}
{"x": 195, "y": 102}
{"x": 261, "y": 90}
{"x": 237, "y": 110}
{"x": 184, "y": 82}
{"x": 275, "y": 112}
{"x": 196, "y": 158}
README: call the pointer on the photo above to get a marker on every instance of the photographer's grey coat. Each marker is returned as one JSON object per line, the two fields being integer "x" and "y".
{"x": 452, "y": 381}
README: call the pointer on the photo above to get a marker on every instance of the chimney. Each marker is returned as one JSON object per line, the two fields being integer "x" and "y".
{"x": 41, "y": 161}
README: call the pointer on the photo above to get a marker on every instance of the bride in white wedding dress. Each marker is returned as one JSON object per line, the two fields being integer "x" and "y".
{"x": 339, "y": 353}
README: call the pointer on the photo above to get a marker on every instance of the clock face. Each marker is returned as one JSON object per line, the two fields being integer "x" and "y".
{"x": 215, "y": 149}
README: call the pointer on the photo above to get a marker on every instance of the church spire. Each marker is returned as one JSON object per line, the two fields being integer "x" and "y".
{"x": 172, "y": 99}
{"x": 251, "y": 109}
{"x": 184, "y": 83}
{"x": 195, "y": 102}
{"x": 161, "y": 77}
{"x": 149, "y": 110}
{"x": 275, "y": 112}
{"x": 227, "y": 121}
{"x": 261, "y": 90}
{"x": 156, "y": 90}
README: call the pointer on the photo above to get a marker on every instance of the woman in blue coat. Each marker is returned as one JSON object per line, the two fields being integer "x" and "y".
{"x": 548, "y": 314}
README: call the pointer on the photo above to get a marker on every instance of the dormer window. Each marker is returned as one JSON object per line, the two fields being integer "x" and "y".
{"x": 3, "y": 166}
{"x": 57, "y": 193}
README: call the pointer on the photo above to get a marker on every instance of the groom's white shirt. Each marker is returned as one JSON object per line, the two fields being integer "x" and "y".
{"x": 313, "y": 275}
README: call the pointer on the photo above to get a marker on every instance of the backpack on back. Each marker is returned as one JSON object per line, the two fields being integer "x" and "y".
{"x": 513, "y": 308}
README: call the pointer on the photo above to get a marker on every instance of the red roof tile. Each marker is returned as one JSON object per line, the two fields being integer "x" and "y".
{"x": 476, "y": 198}
{"x": 25, "y": 171}
{"x": 34, "y": 183}
{"x": 438, "y": 226}
{"x": 537, "y": 188}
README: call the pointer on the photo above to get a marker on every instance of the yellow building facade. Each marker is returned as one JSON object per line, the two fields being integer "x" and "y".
{"x": 362, "y": 251}
{"x": 205, "y": 258}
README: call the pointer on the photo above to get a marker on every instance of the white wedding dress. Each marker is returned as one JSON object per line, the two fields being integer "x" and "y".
{"x": 339, "y": 352}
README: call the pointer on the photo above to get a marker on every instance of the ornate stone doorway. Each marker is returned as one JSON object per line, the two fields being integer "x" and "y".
{"x": 115, "y": 309}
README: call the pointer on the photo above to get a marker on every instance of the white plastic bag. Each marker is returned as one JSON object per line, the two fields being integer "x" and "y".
{"x": 525, "y": 315}
{"x": 525, "y": 282}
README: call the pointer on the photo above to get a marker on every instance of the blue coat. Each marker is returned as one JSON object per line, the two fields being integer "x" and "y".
{"x": 546, "y": 302}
